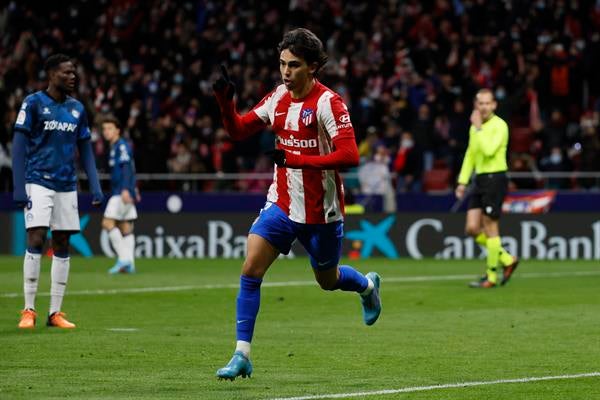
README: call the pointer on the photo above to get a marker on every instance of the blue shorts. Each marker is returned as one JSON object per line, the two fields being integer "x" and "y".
{"x": 323, "y": 242}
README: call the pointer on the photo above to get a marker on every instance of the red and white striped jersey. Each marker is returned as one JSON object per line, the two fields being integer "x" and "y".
{"x": 307, "y": 126}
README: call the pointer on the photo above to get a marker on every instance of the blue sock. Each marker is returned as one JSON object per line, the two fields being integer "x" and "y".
{"x": 248, "y": 302}
{"x": 351, "y": 280}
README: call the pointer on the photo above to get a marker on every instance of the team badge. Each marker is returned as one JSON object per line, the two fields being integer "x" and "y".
{"x": 75, "y": 113}
{"x": 307, "y": 116}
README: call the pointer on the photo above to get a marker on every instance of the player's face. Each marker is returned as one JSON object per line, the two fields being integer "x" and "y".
{"x": 110, "y": 132}
{"x": 295, "y": 72}
{"x": 486, "y": 105}
{"x": 63, "y": 77}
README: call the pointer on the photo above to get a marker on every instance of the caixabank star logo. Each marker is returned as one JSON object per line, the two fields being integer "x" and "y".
{"x": 375, "y": 236}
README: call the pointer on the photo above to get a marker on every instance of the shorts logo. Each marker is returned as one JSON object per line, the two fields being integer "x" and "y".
{"x": 29, "y": 204}
{"x": 307, "y": 116}
{"x": 29, "y": 217}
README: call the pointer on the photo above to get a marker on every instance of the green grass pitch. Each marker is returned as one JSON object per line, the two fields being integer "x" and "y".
{"x": 163, "y": 332}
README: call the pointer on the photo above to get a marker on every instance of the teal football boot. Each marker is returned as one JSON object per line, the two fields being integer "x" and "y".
{"x": 372, "y": 302}
{"x": 239, "y": 365}
{"x": 122, "y": 267}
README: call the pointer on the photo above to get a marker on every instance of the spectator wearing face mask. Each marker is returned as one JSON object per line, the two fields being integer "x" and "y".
{"x": 556, "y": 162}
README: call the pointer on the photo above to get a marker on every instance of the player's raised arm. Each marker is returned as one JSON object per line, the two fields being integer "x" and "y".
{"x": 238, "y": 126}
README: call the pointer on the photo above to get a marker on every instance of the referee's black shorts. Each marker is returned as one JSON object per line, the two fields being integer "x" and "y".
{"x": 489, "y": 193}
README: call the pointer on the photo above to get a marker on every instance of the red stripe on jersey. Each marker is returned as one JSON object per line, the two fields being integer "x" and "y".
{"x": 283, "y": 194}
{"x": 314, "y": 196}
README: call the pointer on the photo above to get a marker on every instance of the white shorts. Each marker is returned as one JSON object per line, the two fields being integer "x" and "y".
{"x": 118, "y": 210}
{"x": 48, "y": 208}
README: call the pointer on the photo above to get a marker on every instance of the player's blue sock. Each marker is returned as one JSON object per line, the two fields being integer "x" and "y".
{"x": 351, "y": 280}
{"x": 248, "y": 302}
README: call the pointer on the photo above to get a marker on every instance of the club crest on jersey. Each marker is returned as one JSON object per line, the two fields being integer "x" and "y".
{"x": 75, "y": 113}
{"x": 307, "y": 116}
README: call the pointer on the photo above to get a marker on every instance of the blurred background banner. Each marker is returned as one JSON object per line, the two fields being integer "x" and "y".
{"x": 556, "y": 236}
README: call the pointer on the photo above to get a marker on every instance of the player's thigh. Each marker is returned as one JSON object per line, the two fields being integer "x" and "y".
{"x": 38, "y": 211}
{"x": 323, "y": 243}
{"x": 273, "y": 225}
{"x": 120, "y": 211}
{"x": 65, "y": 214}
{"x": 260, "y": 256}
{"x": 108, "y": 223}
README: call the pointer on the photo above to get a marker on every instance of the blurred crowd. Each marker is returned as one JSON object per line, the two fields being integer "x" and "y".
{"x": 408, "y": 71}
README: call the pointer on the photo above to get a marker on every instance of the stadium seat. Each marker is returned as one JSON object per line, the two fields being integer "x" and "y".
{"x": 437, "y": 180}
{"x": 520, "y": 139}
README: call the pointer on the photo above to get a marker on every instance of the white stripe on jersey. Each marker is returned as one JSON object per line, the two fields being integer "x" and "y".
{"x": 295, "y": 182}
{"x": 331, "y": 202}
{"x": 266, "y": 111}
{"x": 325, "y": 114}
{"x": 293, "y": 116}
{"x": 272, "y": 195}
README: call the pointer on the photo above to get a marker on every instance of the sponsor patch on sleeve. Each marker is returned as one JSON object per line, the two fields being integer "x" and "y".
{"x": 21, "y": 117}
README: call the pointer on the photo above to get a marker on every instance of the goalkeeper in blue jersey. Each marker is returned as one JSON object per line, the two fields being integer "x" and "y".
{"x": 120, "y": 210}
{"x": 50, "y": 126}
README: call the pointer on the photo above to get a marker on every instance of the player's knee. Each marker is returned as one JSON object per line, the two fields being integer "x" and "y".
{"x": 327, "y": 284}
{"x": 108, "y": 224}
{"x": 472, "y": 230}
{"x": 36, "y": 239}
{"x": 60, "y": 243}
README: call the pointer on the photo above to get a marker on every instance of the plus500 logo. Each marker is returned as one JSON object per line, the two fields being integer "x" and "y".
{"x": 302, "y": 143}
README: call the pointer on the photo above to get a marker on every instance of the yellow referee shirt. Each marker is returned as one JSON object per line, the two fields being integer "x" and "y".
{"x": 486, "y": 152}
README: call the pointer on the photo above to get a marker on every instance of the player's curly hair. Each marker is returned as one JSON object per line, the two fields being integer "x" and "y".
{"x": 305, "y": 44}
{"x": 55, "y": 60}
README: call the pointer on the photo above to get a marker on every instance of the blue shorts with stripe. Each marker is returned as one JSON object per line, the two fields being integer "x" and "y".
{"x": 323, "y": 242}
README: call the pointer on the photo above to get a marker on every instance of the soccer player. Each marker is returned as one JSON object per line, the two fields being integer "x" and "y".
{"x": 120, "y": 210}
{"x": 314, "y": 138}
{"x": 486, "y": 154}
{"x": 49, "y": 127}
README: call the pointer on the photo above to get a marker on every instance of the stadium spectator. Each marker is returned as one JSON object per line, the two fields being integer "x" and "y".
{"x": 304, "y": 200}
{"x": 49, "y": 127}
{"x": 152, "y": 62}
{"x": 408, "y": 165}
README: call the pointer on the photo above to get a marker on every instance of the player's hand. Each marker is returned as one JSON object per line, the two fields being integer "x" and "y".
{"x": 138, "y": 197}
{"x": 224, "y": 87}
{"x": 20, "y": 198}
{"x": 278, "y": 157}
{"x": 459, "y": 192}
{"x": 97, "y": 199}
{"x": 126, "y": 196}
{"x": 476, "y": 119}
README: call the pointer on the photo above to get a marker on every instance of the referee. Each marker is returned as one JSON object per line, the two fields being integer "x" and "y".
{"x": 486, "y": 154}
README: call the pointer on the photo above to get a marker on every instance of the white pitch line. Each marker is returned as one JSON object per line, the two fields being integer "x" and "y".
{"x": 122, "y": 329}
{"x": 397, "y": 279}
{"x": 443, "y": 386}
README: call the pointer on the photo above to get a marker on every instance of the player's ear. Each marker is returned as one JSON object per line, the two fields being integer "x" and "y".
{"x": 312, "y": 68}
